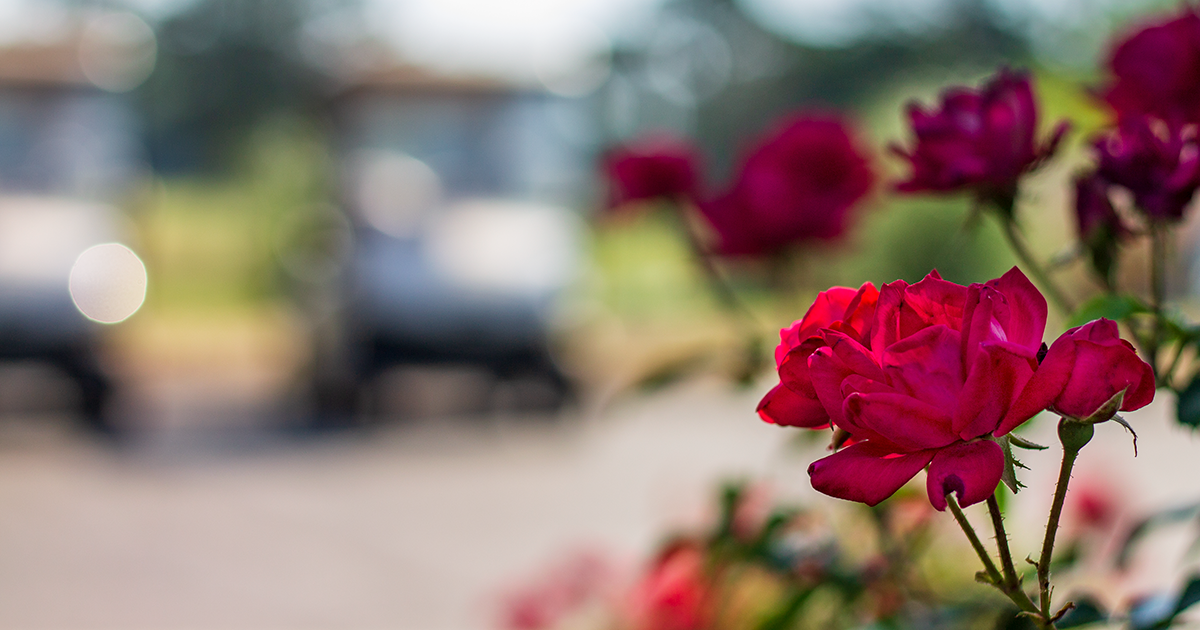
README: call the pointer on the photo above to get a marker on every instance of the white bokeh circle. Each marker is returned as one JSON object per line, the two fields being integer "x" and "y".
{"x": 108, "y": 283}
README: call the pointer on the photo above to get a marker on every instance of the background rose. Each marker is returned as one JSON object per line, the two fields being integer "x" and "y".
{"x": 655, "y": 167}
{"x": 1156, "y": 71}
{"x": 942, "y": 367}
{"x": 797, "y": 184}
{"x": 979, "y": 140}
{"x": 1158, "y": 163}
{"x": 1084, "y": 368}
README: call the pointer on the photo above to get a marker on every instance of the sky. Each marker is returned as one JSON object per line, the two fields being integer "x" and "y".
{"x": 503, "y": 35}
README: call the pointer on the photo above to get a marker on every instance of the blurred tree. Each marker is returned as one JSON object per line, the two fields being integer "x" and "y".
{"x": 223, "y": 67}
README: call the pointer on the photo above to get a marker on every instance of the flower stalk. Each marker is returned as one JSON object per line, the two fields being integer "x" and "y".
{"x": 1073, "y": 435}
{"x": 1007, "y": 583}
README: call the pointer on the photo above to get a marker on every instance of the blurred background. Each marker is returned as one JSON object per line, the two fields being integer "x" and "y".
{"x": 309, "y": 316}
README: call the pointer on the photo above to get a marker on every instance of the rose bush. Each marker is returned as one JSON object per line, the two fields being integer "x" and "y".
{"x": 978, "y": 140}
{"x": 798, "y": 184}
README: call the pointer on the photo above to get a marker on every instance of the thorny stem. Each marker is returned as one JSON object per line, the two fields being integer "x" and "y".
{"x": 1071, "y": 448}
{"x": 1031, "y": 265}
{"x": 1011, "y": 581}
{"x": 1017, "y": 595}
{"x": 988, "y": 565}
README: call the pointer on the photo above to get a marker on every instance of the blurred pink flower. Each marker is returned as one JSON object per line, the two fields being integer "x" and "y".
{"x": 1156, "y": 70}
{"x": 658, "y": 166}
{"x": 798, "y": 184}
{"x": 674, "y": 594}
{"x": 1158, "y": 163}
{"x": 566, "y": 587}
{"x": 980, "y": 141}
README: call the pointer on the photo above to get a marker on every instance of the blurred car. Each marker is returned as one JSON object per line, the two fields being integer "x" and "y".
{"x": 67, "y": 149}
{"x": 457, "y": 238}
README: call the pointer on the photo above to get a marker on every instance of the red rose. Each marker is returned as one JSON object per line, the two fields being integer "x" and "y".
{"x": 652, "y": 168}
{"x": 923, "y": 379}
{"x": 798, "y": 184}
{"x": 1156, "y": 71}
{"x": 1158, "y": 163}
{"x": 1084, "y": 368}
{"x": 978, "y": 140}
{"x": 795, "y": 403}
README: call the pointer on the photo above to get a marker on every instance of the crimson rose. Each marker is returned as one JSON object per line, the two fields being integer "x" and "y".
{"x": 654, "y": 167}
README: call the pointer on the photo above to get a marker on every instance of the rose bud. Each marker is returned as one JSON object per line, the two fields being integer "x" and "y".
{"x": 657, "y": 167}
{"x": 798, "y": 184}
{"x": 1085, "y": 368}
{"x": 1158, "y": 163}
{"x": 1100, "y": 228}
{"x": 980, "y": 141}
{"x": 1156, "y": 71}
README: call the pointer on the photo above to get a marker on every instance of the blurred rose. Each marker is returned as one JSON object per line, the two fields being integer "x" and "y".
{"x": 930, "y": 386}
{"x": 1158, "y": 163}
{"x": 1084, "y": 368}
{"x": 652, "y": 168}
{"x": 798, "y": 184}
{"x": 674, "y": 594}
{"x": 793, "y": 402}
{"x": 981, "y": 141}
{"x": 564, "y": 589}
{"x": 1156, "y": 71}
{"x": 1100, "y": 228}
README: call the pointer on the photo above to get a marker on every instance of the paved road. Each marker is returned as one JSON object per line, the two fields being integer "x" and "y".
{"x": 409, "y": 526}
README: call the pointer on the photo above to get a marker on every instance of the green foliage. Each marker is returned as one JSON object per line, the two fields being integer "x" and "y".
{"x": 1187, "y": 409}
{"x": 1117, "y": 307}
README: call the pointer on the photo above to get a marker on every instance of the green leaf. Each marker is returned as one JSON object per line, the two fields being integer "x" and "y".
{"x": 1189, "y": 596}
{"x": 1086, "y": 611}
{"x": 1113, "y": 306}
{"x": 1009, "y": 476}
{"x": 1187, "y": 408}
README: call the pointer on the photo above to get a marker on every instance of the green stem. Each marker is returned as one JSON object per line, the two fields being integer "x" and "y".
{"x": 1073, "y": 436}
{"x": 1011, "y": 579}
{"x": 1158, "y": 281}
{"x": 1031, "y": 265}
{"x": 1016, "y": 595}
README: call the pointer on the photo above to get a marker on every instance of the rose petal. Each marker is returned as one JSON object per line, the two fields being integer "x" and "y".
{"x": 902, "y": 420}
{"x": 928, "y": 366}
{"x": 865, "y": 472}
{"x": 1045, "y": 385}
{"x": 971, "y": 470}
{"x": 785, "y": 407}
{"x": 1026, "y": 321}
{"x": 1000, "y": 373}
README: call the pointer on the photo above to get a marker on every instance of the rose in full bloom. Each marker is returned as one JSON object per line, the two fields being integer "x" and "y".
{"x": 924, "y": 380}
{"x": 1100, "y": 228}
{"x": 1158, "y": 163}
{"x": 793, "y": 402}
{"x": 1156, "y": 71}
{"x": 800, "y": 183}
{"x": 1083, "y": 369}
{"x": 653, "y": 168}
{"x": 980, "y": 141}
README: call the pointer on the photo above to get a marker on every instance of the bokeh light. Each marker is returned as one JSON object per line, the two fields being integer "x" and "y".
{"x": 108, "y": 283}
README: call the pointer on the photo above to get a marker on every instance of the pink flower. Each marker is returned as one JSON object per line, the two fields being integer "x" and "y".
{"x": 927, "y": 382}
{"x": 1156, "y": 71}
{"x": 1158, "y": 163}
{"x": 798, "y": 184}
{"x": 1084, "y": 368}
{"x": 674, "y": 594}
{"x": 652, "y": 168}
{"x": 793, "y": 402}
{"x": 981, "y": 141}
